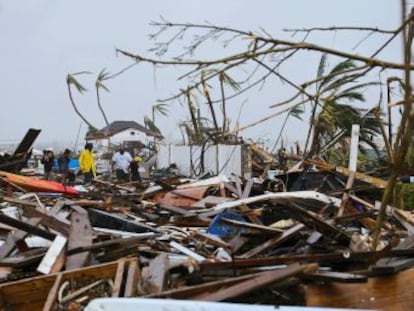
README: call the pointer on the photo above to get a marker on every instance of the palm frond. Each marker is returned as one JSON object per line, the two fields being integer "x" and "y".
{"x": 102, "y": 76}
{"x": 151, "y": 125}
{"x": 229, "y": 81}
{"x": 336, "y": 71}
{"x": 321, "y": 68}
{"x": 160, "y": 108}
{"x": 70, "y": 80}
{"x": 296, "y": 112}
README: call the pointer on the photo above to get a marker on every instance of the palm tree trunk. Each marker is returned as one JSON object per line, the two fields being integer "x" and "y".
{"x": 223, "y": 106}
{"x": 280, "y": 133}
{"x": 311, "y": 127}
{"x": 100, "y": 106}
{"x": 76, "y": 108}
{"x": 193, "y": 117}
{"x": 405, "y": 129}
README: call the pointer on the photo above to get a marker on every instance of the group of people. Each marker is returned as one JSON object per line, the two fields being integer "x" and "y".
{"x": 125, "y": 167}
{"x": 48, "y": 161}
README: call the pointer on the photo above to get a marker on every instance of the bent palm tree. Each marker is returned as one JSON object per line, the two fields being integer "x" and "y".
{"x": 71, "y": 80}
{"x": 336, "y": 95}
{"x": 102, "y": 76}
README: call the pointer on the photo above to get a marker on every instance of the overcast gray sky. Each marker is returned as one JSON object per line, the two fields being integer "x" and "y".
{"x": 43, "y": 40}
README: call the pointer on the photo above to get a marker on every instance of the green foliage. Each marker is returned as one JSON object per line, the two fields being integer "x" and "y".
{"x": 102, "y": 76}
{"x": 337, "y": 111}
{"x": 71, "y": 80}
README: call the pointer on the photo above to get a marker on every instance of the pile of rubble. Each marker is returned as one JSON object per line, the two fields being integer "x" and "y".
{"x": 297, "y": 240}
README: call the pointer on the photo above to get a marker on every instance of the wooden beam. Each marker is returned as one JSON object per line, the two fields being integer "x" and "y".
{"x": 262, "y": 280}
{"x": 272, "y": 243}
{"x": 116, "y": 290}
{"x": 80, "y": 236}
{"x": 156, "y": 278}
{"x": 18, "y": 224}
{"x": 16, "y": 239}
{"x": 133, "y": 277}
{"x": 54, "y": 259}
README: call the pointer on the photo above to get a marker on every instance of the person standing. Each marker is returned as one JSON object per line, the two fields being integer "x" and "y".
{"x": 121, "y": 161}
{"x": 134, "y": 167}
{"x": 87, "y": 163}
{"x": 63, "y": 162}
{"x": 48, "y": 161}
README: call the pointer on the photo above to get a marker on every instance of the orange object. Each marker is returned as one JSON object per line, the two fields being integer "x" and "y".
{"x": 38, "y": 185}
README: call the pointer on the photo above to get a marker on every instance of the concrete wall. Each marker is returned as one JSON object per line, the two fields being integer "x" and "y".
{"x": 217, "y": 159}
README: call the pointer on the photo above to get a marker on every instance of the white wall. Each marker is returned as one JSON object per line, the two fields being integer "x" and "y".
{"x": 218, "y": 159}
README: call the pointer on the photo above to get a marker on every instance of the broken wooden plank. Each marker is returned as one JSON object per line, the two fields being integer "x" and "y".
{"x": 210, "y": 201}
{"x": 80, "y": 236}
{"x": 118, "y": 243}
{"x": 48, "y": 221}
{"x": 249, "y": 225}
{"x": 332, "y": 276}
{"x": 177, "y": 210}
{"x": 155, "y": 279}
{"x": 187, "y": 292}
{"x": 352, "y": 167}
{"x": 18, "y": 224}
{"x": 116, "y": 290}
{"x": 247, "y": 189}
{"x": 16, "y": 239}
{"x": 262, "y": 280}
{"x": 187, "y": 251}
{"x": 272, "y": 243}
{"x": 51, "y": 297}
{"x": 390, "y": 265}
{"x": 133, "y": 277}
{"x": 54, "y": 259}
{"x": 314, "y": 221}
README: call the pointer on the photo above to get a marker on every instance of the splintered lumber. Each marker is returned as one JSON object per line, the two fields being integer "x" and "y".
{"x": 155, "y": 280}
{"x": 352, "y": 167}
{"x": 116, "y": 290}
{"x": 272, "y": 243}
{"x": 387, "y": 293}
{"x": 187, "y": 251}
{"x": 103, "y": 219}
{"x": 210, "y": 239}
{"x": 114, "y": 244}
{"x": 331, "y": 276}
{"x": 31, "y": 294}
{"x": 247, "y": 189}
{"x": 133, "y": 277}
{"x": 376, "y": 182}
{"x": 188, "y": 292}
{"x": 310, "y": 198}
{"x": 54, "y": 259}
{"x": 18, "y": 224}
{"x": 47, "y": 220}
{"x": 315, "y": 221}
{"x": 388, "y": 265}
{"x": 80, "y": 235}
{"x": 16, "y": 239}
{"x": 50, "y": 301}
{"x": 177, "y": 210}
{"x": 256, "y": 227}
{"x": 261, "y": 280}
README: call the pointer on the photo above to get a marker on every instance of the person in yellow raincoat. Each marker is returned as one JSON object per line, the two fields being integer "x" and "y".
{"x": 87, "y": 163}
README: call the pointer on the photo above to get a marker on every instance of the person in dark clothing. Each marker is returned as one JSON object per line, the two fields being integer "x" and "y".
{"x": 63, "y": 161}
{"x": 134, "y": 167}
{"x": 48, "y": 161}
